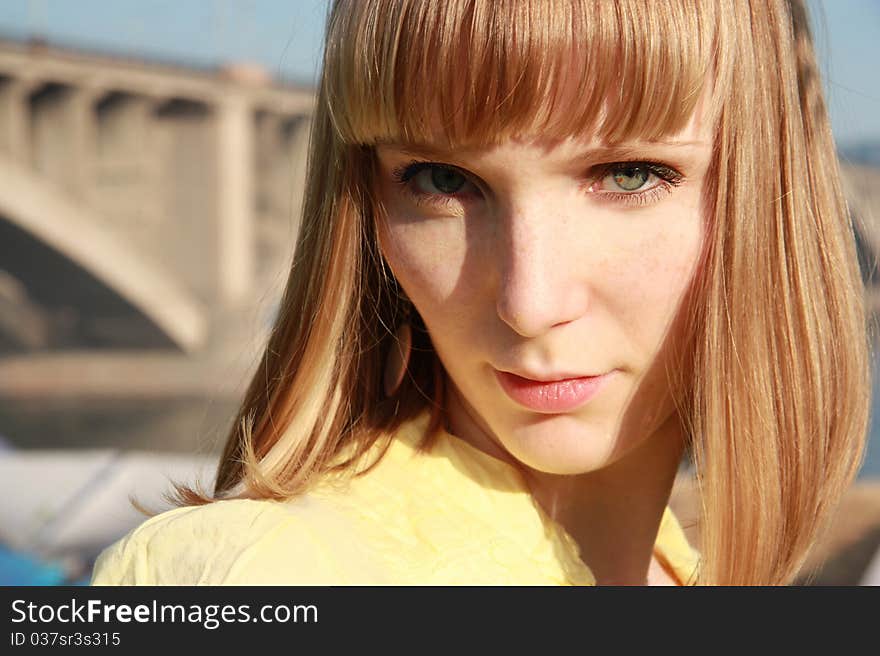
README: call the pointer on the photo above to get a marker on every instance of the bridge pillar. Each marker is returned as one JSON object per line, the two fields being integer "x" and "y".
{"x": 297, "y": 154}
{"x": 63, "y": 129}
{"x": 126, "y": 182}
{"x": 235, "y": 211}
{"x": 83, "y": 141}
{"x": 14, "y": 118}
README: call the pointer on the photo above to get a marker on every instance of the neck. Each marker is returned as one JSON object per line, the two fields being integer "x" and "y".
{"x": 612, "y": 513}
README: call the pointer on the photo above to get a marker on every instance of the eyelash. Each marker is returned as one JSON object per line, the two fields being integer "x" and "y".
{"x": 668, "y": 178}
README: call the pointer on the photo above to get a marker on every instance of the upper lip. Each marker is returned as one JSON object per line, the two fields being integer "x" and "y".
{"x": 548, "y": 378}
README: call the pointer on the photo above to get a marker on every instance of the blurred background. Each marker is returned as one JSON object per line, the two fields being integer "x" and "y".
{"x": 152, "y": 156}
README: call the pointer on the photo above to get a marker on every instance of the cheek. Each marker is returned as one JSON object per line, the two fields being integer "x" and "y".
{"x": 661, "y": 266}
{"x": 428, "y": 258}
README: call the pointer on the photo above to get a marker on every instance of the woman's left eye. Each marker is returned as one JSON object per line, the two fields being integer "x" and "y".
{"x": 636, "y": 180}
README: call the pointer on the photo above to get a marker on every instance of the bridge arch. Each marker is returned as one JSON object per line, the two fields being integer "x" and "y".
{"x": 35, "y": 206}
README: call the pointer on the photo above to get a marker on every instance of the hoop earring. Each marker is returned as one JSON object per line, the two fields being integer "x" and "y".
{"x": 398, "y": 358}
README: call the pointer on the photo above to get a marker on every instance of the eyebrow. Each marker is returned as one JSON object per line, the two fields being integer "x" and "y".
{"x": 592, "y": 153}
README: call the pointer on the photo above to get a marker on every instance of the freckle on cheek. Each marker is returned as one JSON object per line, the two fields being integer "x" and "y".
{"x": 428, "y": 251}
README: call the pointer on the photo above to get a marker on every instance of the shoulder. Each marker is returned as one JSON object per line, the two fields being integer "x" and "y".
{"x": 237, "y": 541}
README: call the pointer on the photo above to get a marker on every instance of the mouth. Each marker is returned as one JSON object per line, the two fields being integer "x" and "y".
{"x": 554, "y": 394}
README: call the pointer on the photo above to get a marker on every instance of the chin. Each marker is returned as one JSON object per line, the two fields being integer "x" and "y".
{"x": 563, "y": 452}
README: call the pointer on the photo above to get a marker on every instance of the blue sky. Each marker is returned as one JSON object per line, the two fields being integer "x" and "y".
{"x": 285, "y": 37}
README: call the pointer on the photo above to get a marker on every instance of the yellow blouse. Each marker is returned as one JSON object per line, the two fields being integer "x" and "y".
{"x": 453, "y": 516}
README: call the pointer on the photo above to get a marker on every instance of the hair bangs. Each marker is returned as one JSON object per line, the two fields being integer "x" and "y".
{"x": 466, "y": 72}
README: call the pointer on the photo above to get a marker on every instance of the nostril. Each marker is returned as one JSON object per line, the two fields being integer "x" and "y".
{"x": 528, "y": 315}
{"x": 533, "y": 309}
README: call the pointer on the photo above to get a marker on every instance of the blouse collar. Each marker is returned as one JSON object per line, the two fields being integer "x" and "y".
{"x": 481, "y": 472}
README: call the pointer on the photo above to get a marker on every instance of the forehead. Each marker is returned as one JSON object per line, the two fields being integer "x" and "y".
{"x": 698, "y": 132}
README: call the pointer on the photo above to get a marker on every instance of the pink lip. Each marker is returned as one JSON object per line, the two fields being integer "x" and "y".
{"x": 551, "y": 396}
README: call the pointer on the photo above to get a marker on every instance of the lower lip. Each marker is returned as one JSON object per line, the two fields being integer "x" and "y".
{"x": 555, "y": 396}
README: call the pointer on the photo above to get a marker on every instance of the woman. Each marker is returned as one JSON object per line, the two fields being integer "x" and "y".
{"x": 546, "y": 247}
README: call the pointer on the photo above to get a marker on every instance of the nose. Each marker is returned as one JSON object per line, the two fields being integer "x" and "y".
{"x": 539, "y": 269}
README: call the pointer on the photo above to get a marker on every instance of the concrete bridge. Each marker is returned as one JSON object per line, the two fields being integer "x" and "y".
{"x": 147, "y": 215}
{"x": 147, "y": 218}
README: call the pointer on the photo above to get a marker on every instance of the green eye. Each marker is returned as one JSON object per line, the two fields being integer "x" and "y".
{"x": 630, "y": 178}
{"x": 637, "y": 183}
{"x": 446, "y": 180}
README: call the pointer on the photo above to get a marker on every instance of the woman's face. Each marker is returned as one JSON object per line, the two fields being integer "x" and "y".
{"x": 534, "y": 262}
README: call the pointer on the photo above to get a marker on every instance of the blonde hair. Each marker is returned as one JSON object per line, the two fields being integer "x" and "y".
{"x": 775, "y": 398}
